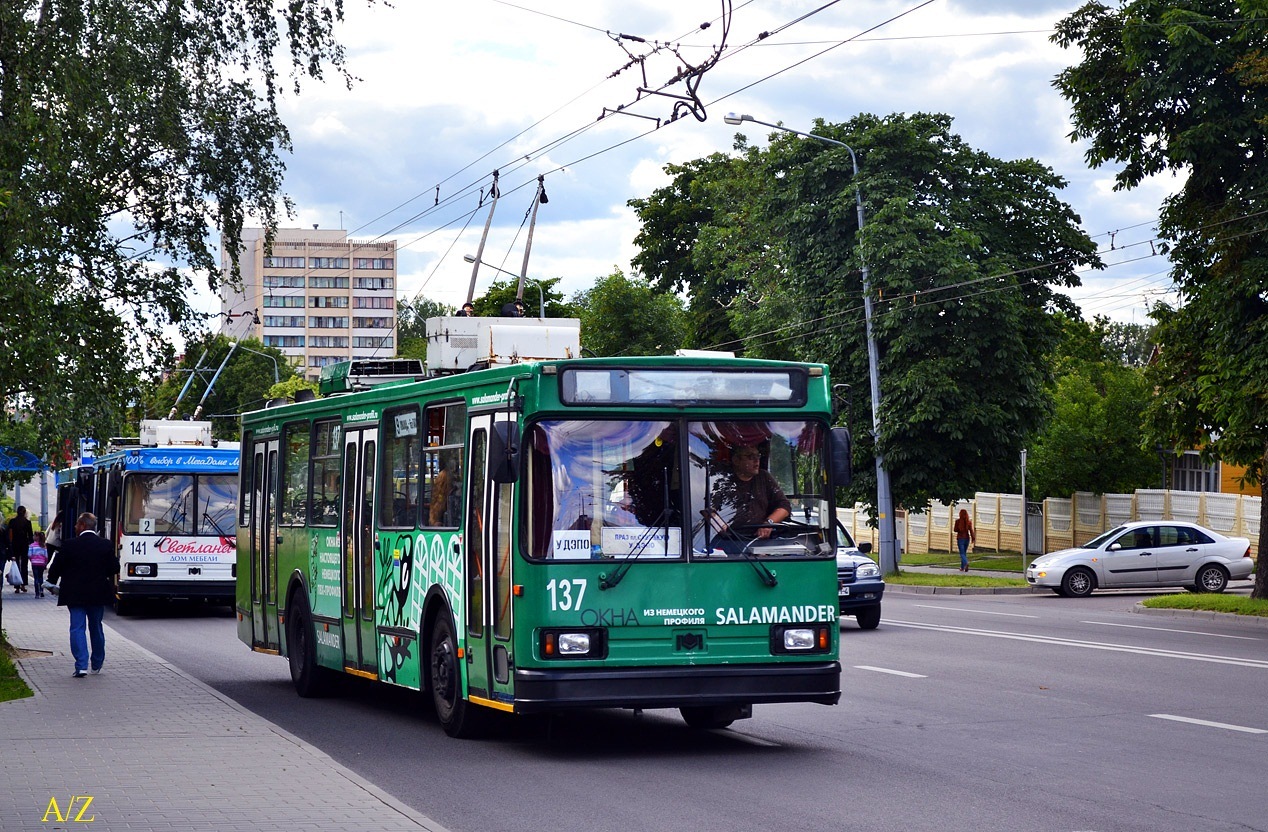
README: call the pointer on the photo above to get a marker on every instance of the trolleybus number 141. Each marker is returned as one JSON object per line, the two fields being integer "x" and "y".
{"x": 561, "y": 593}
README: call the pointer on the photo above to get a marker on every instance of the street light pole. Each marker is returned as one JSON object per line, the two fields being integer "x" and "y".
{"x": 884, "y": 497}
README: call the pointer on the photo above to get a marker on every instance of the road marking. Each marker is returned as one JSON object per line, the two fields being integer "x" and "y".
{"x": 892, "y": 672}
{"x": 1087, "y": 645}
{"x": 979, "y": 612}
{"x": 1169, "y": 630}
{"x": 1210, "y": 724}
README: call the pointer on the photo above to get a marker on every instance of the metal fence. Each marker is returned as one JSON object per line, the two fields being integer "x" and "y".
{"x": 1067, "y": 522}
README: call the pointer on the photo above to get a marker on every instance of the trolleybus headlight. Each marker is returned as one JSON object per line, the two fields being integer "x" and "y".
{"x": 142, "y": 570}
{"x": 800, "y": 638}
{"x": 574, "y": 644}
{"x": 588, "y": 643}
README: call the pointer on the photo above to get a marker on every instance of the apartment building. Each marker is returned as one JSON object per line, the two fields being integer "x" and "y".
{"x": 321, "y": 298}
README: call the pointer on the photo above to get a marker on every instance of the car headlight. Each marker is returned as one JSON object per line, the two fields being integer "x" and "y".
{"x": 867, "y": 570}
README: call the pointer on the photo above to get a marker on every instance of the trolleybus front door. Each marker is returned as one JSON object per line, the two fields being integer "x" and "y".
{"x": 488, "y": 573}
{"x": 359, "y": 549}
{"x": 264, "y": 542}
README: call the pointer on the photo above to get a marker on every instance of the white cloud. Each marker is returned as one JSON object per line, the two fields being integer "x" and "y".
{"x": 452, "y": 91}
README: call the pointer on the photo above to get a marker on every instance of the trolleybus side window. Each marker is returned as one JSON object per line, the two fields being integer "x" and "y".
{"x": 295, "y": 475}
{"x": 244, "y": 481}
{"x": 399, "y": 482}
{"x": 442, "y": 465}
{"x": 324, "y": 477}
{"x": 474, "y": 537}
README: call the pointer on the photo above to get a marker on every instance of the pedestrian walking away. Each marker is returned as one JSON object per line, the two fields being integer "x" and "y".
{"x": 20, "y": 537}
{"x": 37, "y": 554}
{"x": 84, "y": 572}
{"x": 964, "y": 535}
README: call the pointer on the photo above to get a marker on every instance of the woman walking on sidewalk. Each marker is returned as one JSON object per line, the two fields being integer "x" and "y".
{"x": 964, "y": 535}
{"x": 84, "y": 571}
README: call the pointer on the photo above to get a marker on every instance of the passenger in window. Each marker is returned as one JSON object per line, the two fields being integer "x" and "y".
{"x": 442, "y": 511}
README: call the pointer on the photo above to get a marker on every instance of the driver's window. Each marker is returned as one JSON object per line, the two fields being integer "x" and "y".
{"x": 1138, "y": 539}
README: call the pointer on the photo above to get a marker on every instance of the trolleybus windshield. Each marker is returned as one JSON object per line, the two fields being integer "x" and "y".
{"x": 616, "y": 488}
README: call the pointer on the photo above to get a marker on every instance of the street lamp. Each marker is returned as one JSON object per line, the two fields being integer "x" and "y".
{"x": 276, "y": 376}
{"x": 541, "y": 294}
{"x": 884, "y": 498}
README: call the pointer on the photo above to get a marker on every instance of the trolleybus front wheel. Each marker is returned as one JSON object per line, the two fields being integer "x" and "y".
{"x": 457, "y": 716}
{"x": 704, "y": 718}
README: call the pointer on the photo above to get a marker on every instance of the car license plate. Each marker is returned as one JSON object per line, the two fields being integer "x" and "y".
{"x": 845, "y": 590}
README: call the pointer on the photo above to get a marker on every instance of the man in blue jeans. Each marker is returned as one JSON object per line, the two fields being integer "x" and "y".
{"x": 84, "y": 571}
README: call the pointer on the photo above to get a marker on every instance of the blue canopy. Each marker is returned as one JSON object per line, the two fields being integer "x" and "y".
{"x": 12, "y": 459}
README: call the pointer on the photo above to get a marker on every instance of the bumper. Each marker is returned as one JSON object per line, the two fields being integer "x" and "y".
{"x": 549, "y": 690}
{"x": 859, "y": 595}
{"x": 1050, "y": 581}
{"x": 218, "y": 591}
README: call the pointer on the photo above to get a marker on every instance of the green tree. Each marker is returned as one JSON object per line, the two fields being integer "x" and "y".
{"x": 1091, "y": 441}
{"x": 502, "y": 292}
{"x": 1179, "y": 85}
{"x": 625, "y": 316}
{"x": 699, "y": 236}
{"x": 411, "y": 325}
{"x": 963, "y": 251}
{"x": 126, "y": 131}
{"x": 244, "y": 383}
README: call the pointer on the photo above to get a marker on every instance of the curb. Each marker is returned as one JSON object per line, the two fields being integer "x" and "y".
{"x": 1205, "y": 615}
{"x": 921, "y": 589}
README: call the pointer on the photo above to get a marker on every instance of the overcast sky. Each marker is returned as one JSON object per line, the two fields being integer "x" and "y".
{"x": 449, "y": 92}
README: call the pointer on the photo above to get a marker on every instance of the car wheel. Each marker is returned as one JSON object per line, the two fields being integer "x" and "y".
{"x": 1056, "y": 590}
{"x": 868, "y": 619}
{"x": 1078, "y": 583}
{"x": 1211, "y": 578}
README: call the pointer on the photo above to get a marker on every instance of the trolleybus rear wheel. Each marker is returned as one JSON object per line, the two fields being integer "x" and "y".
{"x": 309, "y": 679}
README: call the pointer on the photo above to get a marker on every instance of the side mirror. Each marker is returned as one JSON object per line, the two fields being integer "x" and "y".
{"x": 841, "y": 449}
{"x": 504, "y": 452}
{"x": 1113, "y": 547}
{"x": 865, "y": 548}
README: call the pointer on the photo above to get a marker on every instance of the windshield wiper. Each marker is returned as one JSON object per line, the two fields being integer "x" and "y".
{"x": 212, "y": 520}
{"x": 607, "y": 581}
{"x": 763, "y": 571}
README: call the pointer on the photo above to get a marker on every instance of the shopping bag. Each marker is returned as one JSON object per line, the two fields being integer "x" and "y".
{"x": 13, "y": 574}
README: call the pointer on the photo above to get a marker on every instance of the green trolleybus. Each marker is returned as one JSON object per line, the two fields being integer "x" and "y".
{"x": 548, "y": 534}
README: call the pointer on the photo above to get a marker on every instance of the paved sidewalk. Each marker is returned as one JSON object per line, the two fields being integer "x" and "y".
{"x": 156, "y": 749}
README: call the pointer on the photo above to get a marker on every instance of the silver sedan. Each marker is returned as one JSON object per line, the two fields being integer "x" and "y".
{"x": 1147, "y": 553}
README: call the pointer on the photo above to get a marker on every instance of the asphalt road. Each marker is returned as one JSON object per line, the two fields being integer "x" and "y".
{"x": 1021, "y": 712}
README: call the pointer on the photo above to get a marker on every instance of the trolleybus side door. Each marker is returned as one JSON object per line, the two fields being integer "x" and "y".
{"x": 264, "y": 540}
{"x": 489, "y": 564}
{"x": 358, "y": 546}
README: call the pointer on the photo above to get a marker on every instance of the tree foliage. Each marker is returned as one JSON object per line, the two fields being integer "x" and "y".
{"x": 626, "y": 316}
{"x": 1092, "y": 440}
{"x": 962, "y": 249}
{"x": 127, "y": 130}
{"x": 1182, "y": 85}
{"x": 411, "y": 325}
